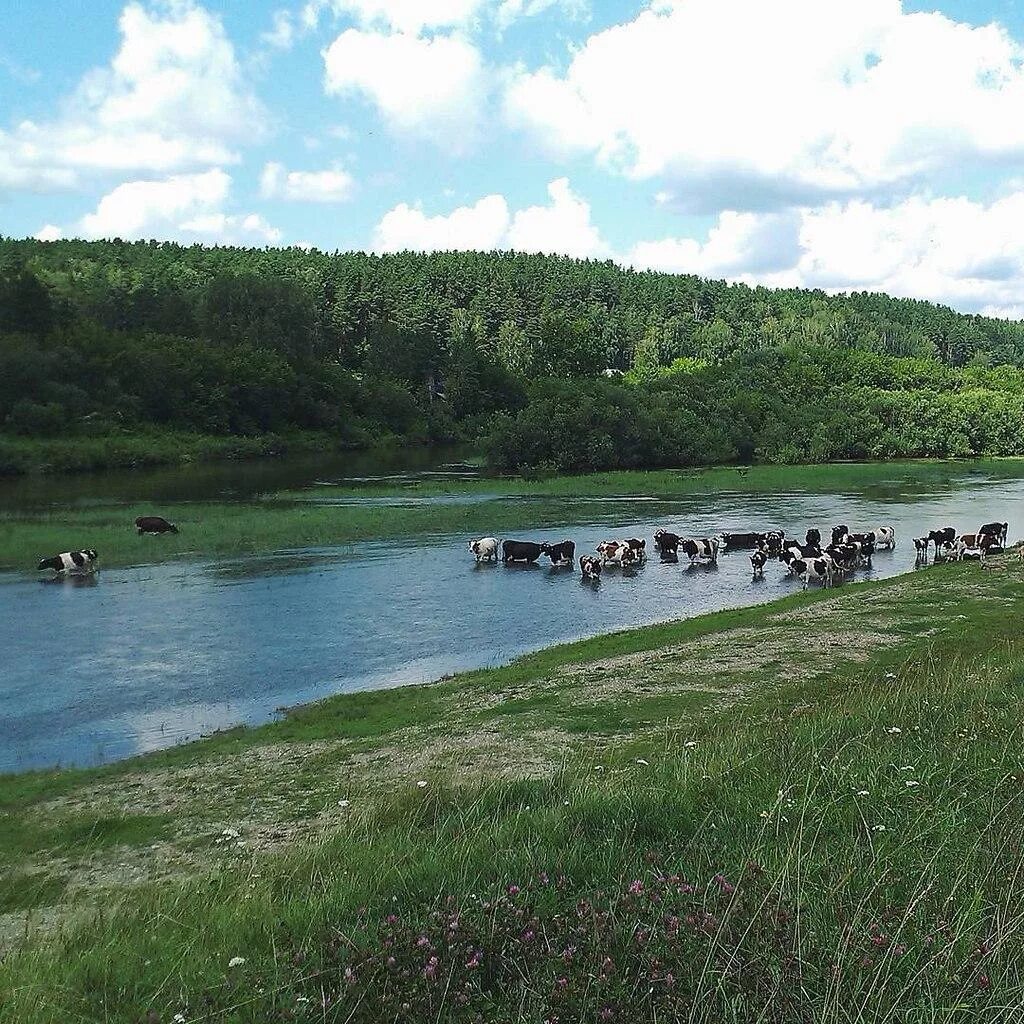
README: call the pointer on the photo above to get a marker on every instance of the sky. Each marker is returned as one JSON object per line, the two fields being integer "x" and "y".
{"x": 837, "y": 144}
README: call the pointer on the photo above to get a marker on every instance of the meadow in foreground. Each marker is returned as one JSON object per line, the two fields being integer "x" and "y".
{"x": 840, "y": 838}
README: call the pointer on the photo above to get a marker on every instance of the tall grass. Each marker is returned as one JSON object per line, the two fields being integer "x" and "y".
{"x": 858, "y": 859}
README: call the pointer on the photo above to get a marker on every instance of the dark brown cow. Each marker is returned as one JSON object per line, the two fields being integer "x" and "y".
{"x": 154, "y": 524}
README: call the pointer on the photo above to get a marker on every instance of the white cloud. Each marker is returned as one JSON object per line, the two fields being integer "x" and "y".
{"x": 282, "y": 32}
{"x": 330, "y": 186}
{"x": 185, "y": 206}
{"x": 564, "y": 227}
{"x": 409, "y": 15}
{"x": 511, "y": 10}
{"x": 432, "y": 87}
{"x": 49, "y": 233}
{"x": 747, "y": 104}
{"x": 958, "y": 251}
{"x": 481, "y": 226}
{"x": 172, "y": 98}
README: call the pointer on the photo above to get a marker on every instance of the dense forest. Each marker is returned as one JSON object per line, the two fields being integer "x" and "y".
{"x": 547, "y": 362}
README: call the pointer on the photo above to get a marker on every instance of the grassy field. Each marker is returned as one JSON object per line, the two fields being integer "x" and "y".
{"x": 295, "y": 520}
{"x": 810, "y": 810}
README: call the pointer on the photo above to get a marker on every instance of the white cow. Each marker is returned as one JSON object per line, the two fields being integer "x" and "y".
{"x": 485, "y": 549}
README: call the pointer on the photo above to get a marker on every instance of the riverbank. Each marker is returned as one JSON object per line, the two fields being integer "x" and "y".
{"x": 321, "y": 516}
{"x": 26, "y": 455}
{"x": 812, "y": 806}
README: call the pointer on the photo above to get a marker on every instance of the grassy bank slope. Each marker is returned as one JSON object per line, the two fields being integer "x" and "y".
{"x": 294, "y": 520}
{"x": 808, "y": 810}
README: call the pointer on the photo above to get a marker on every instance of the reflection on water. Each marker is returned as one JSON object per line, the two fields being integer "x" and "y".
{"x": 123, "y": 661}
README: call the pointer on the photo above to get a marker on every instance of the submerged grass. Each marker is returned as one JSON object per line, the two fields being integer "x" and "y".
{"x": 336, "y": 516}
{"x": 842, "y": 839}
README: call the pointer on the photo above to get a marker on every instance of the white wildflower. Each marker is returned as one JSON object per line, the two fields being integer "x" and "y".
{"x": 236, "y": 961}
{"x": 766, "y": 814}
{"x": 877, "y": 828}
{"x": 422, "y": 783}
{"x": 894, "y": 730}
{"x": 640, "y": 760}
{"x": 910, "y": 783}
{"x": 890, "y": 675}
{"x": 231, "y": 833}
{"x": 343, "y": 803}
{"x": 690, "y": 744}
{"x": 179, "y": 1018}
{"x": 863, "y": 792}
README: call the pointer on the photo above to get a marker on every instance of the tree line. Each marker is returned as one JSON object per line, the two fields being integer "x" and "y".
{"x": 547, "y": 361}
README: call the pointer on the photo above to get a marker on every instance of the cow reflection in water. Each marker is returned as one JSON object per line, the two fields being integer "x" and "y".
{"x": 90, "y": 579}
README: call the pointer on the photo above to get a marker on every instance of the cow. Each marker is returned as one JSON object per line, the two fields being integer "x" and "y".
{"x": 741, "y": 540}
{"x": 884, "y": 538}
{"x": 997, "y": 530}
{"x": 865, "y": 543}
{"x": 70, "y": 562}
{"x": 921, "y": 546}
{"x": 639, "y": 548}
{"x": 819, "y": 569}
{"x": 942, "y": 538}
{"x": 701, "y": 548}
{"x": 839, "y": 534}
{"x": 617, "y": 552}
{"x": 845, "y": 557}
{"x": 814, "y": 538}
{"x": 520, "y": 551}
{"x": 804, "y": 550}
{"x": 788, "y": 557}
{"x": 757, "y": 562}
{"x": 774, "y": 540}
{"x": 563, "y": 553}
{"x": 590, "y": 567}
{"x": 154, "y": 524}
{"x": 667, "y": 544}
{"x": 968, "y": 551}
{"x": 485, "y": 549}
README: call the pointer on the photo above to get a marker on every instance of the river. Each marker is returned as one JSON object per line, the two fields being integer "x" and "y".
{"x": 140, "y": 658}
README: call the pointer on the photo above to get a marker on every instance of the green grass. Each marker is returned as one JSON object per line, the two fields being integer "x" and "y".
{"x": 806, "y": 878}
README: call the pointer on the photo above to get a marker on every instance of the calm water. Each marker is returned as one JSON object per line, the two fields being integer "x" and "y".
{"x": 141, "y": 658}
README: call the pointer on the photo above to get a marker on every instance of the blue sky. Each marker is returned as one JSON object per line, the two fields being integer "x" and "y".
{"x": 869, "y": 145}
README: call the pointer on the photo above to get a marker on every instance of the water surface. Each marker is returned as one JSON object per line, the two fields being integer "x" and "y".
{"x": 141, "y": 658}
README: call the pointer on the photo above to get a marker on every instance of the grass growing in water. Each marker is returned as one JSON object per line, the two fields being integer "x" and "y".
{"x": 841, "y": 844}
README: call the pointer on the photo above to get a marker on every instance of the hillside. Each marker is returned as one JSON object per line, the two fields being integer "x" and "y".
{"x": 111, "y": 347}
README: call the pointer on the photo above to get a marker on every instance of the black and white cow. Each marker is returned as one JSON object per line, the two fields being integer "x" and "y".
{"x": 817, "y": 569}
{"x": 639, "y": 547}
{"x": 704, "y": 549}
{"x": 884, "y": 538}
{"x": 839, "y": 534}
{"x": 154, "y": 524}
{"x": 520, "y": 551}
{"x": 758, "y": 560}
{"x": 667, "y": 544}
{"x": 774, "y": 540}
{"x": 71, "y": 562}
{"x": 590, "y": 567}
{"x": 485, "y": 549}
{"x": 921, "y": 547}
{"x": 814, "y": 538}
{"x": 942, "y": 538}
{"x": 845, "y": 557}
{"x": 563, "y": 553}
{"x": 997, "y": 531}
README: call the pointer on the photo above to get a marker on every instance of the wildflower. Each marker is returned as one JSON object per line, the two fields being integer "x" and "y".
{"x": 983, "y": 981}
{"x": 236, "y": 961}
{"x": 690, "y": 744}
{"x": 474, "y": 961}
{"x": 894, "y": 730}
{"x": 910, "y": 783}
{"x": 422, "y": 942}
{"x": 422, "y": 783}
{"x": 179, "y": 1018}
{"x": 391, "y": 919}
{"x": 863, "y": 792}
{"x": 513, "y": 890}
{"x": 637, "y": 888}
{"x": 350, "y": 976}
{"x": 430, "y": 971}
{"x": 606, "y": 1013}
{"x": 640, "y": 760}
{"x": 766, "y": 814}
{"x": 890, "y": 675}
{"x": 877, "y": 828}
{"x": 343, "y": 803}
{"x": 561, "y": 984}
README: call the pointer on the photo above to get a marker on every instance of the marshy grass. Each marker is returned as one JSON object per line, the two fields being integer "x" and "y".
{"x": 846, "y": 847}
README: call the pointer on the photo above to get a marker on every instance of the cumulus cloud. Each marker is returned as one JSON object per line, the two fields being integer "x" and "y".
{"x": 329, "y": 186}
{"x": 956, "y": 251}
{"x": 49, "y": 233}
{"x": 432, "y": 87}
{"x": 743, "y": 104}
{"x": 563, "y": 226}
{"x": 185, "y": 206}
{"x": 172, "y": 98}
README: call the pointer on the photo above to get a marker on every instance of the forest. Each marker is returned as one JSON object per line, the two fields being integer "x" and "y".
{"x": 547, "y": 363}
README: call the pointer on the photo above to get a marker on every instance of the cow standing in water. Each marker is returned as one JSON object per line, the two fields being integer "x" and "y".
{"x": 520, "y": 551}
{"x": 757, "y": 562}
{"x": 590, "y": 567}
{"x": 703, "y": 549}
{"x": 563, "y": 553}
{"x": 485, "y": 549}
{"x": 70, "y": 562}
